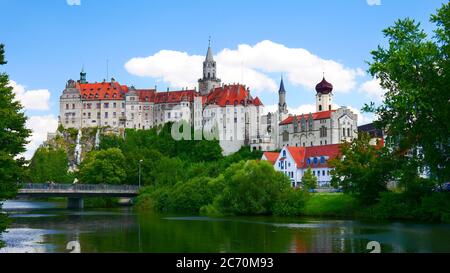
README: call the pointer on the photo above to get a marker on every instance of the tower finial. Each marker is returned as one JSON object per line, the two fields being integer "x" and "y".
{"x": 209, "y": 41}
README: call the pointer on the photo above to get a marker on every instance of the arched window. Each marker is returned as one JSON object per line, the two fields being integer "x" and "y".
{"x": 315, "y": 160}
{"x": 284, "y": 153}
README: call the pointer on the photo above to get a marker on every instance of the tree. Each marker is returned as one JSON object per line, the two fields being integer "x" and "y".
{"x": 49, "y": 164}
{"x": 309, "y": 180}
{"x": 103, "y": 167}
{"x": 251, "y": 187}
{"x": 362, "y": 169}
{"x": 13, "y": 137}
{"x": 415, "y": 111}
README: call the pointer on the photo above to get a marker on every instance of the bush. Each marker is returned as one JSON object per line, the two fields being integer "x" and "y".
{"x": 435, "y": 207}
{"x": 291, "y": 203}
{"x": 190, "y": 196}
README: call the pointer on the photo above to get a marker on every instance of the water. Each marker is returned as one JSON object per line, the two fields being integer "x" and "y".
{"x": 48, "y": 227}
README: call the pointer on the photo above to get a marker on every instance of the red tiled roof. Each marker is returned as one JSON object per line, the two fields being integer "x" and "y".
{"x": 271, "y": 156}
{"x": 298, "y": 154}
{"x": 231, "y": 95}
{"x": 175, "y": 96}
{"x": 316, "y": 116}
{"x": 146, "y": 94}
{"x": 331, "y": 150}
{"x": 102, "y": 91}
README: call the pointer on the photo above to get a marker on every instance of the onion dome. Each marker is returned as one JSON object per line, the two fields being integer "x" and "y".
{"x": 324, "y": 87}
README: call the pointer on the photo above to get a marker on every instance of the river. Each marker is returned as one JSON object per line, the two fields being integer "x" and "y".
{"x": 49, "y": 227}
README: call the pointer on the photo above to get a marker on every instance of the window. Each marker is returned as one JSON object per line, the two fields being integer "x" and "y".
{"x": 343, "y": 131}
{"x": 114, "y": 105}
{"x": 323, "y": 172}
{"x": 106, "y": 114}
{"x": 98, "y": 105}
{"x": 315, "y": 160}
{"x": 98, "y": 114}
{"x": 106, "y": 105}
{"x": 284, "y": 153}
{"x": 348, "y": 131}
{"x": 89, "y": 115}
{"x": 308, "y": 161}
{"x": 314, "y": 172}
{"x": 320, "y": 107}
{"x": 114, "y": 114}
{"x": 67, "y": 106}
{"x": 73, "y": 105}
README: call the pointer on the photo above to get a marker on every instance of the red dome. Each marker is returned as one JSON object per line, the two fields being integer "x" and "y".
{"x": 324, "y": 87}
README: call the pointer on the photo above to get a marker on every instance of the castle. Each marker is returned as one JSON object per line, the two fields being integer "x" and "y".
{"x": 227, "y": 109}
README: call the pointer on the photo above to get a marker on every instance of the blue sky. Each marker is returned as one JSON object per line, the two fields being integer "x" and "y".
{"x": 47, "y": 43}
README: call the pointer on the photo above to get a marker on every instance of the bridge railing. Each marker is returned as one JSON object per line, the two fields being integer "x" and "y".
{"x": 56, "y": 187}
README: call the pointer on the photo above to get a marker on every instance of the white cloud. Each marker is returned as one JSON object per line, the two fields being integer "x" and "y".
{"x": 73, "y": 2}
{"x": 40, "y": 126}
{"x": 31, "y": 99}
{"x": 373, "y": 89}
{"x": 374, "y": 2}
{"x": 248, "y": 64}
{"x": 362, "y": 118}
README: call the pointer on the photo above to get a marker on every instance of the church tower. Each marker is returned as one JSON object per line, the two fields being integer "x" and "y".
{"x": 324, "y": 96}
{"x": 282, "y": 106}
{"x": 209, "y": 80}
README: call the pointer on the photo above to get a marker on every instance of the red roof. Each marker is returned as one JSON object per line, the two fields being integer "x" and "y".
{"x": 175, "y": 96}
{"x": 271, "y": 156}
{"x": 298, "y": 154}
{"x": 301, "y": 154}
{"x": 316, "y": 116}
{"x": 102, "y": 91}
{"x": 231, "y": 95}
{"x": 331, "y": 150}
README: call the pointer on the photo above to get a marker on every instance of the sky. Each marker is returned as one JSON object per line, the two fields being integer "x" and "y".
{"x": 163, "y": 43}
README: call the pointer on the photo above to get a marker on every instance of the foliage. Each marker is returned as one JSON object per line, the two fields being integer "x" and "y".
{"x": 291, "y": 203}
{"x": 362, "y": 169}
{"x": 250, "y": 187}
{"x": 415, "y": 110}
{"x": 103, "y": 167}
{"x": 13, "y": 137}
{"x": 309, "y": 181}
{"x": 191, "y": 195}
{"x": 49, "y": 164}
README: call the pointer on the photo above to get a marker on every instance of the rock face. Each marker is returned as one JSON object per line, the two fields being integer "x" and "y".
{"x": 66, "y": 139}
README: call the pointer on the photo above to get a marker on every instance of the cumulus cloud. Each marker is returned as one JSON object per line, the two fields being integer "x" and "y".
{"x": 248, "y": 64}
{"x": 40, "y": 126}
{"x": 73, "y": 2}
{"x": 373, "y": 89}
{"x": 374, "y": 2}
{"x": 31, "y": 99}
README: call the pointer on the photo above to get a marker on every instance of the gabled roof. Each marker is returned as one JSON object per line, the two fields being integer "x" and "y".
{"x": 316, "y": 116}
{"x": 271, "y": 156}
{"x": 331, "y": 150}
{"x": 298, "y": 154}
{"x": 234, "y": 94}
{"x": 102, "y": 91}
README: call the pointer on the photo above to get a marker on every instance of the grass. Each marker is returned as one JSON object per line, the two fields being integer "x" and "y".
{"x": 330, "y": 204}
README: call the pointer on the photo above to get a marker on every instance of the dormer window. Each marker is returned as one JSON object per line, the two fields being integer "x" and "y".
{"x": 106, "y": 95}
{"x": 315, "y": 160}
{"x": 228, "y": 102}
{"x": 322, "y": 160}
{"x": 96, "y": 95}
{"x": 114, "y": 95}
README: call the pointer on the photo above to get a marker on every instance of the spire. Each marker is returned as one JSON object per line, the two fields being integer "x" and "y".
{"x": 281, "y": 90}
{"x": 209, "y": 54}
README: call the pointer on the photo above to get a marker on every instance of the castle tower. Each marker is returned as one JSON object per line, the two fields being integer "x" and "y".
{"x": 324, "y": 95}
{"x": 82, "y": 76}
{"x": 209, "y": 80}
{"x": 282, "y": 106}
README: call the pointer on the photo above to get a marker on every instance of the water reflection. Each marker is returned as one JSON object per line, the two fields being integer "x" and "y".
{"x": 48, "y": 228}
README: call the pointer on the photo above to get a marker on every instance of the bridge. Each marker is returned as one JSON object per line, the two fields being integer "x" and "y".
{"x": 76, "y": 192}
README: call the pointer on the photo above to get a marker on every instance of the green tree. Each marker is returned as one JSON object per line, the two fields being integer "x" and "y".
{"x": 415, "y": 111}
{"x": 103, "y": 167}
{"x": 362, "y": 169}
{"x": 13, "y": 135}
{"x": 309, "y": 181}
{"x": 49, "y": 164}
{"x": 250, "y": 187}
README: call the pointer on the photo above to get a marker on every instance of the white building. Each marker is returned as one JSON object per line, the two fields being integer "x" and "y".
{"x": 294, "y": 161}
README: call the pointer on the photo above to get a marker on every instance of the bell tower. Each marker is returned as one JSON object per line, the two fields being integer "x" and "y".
{"x": 209, "y": 80}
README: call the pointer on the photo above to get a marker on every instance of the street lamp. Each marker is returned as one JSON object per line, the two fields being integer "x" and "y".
{"x": 140, "y": 161}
